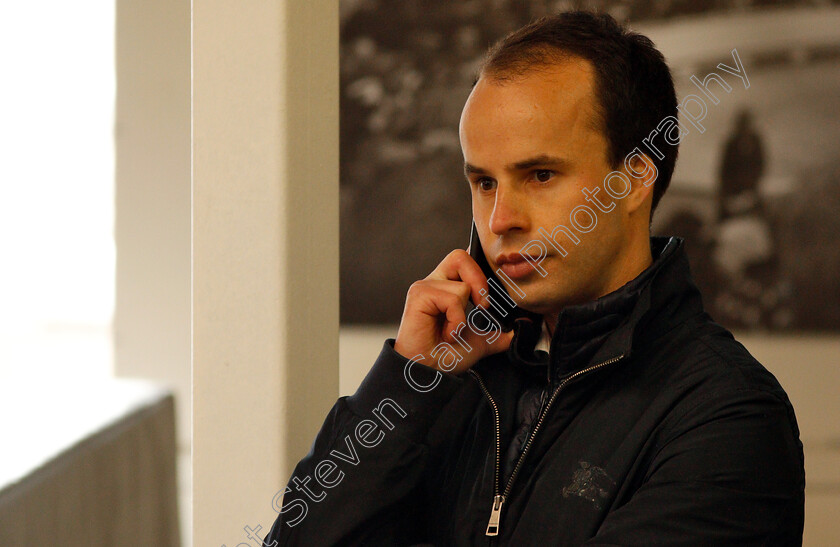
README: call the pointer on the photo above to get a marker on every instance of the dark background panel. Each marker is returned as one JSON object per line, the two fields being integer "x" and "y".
{"x": 756, "y": 196}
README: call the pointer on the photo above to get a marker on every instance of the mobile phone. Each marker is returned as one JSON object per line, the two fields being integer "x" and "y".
{"x": 502, "y": 307}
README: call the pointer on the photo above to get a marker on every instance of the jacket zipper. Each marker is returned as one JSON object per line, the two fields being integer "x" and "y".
{"x": 498, "y": 500}
{"x": 493, "y": 526}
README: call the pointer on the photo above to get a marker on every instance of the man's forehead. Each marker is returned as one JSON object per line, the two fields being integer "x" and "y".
{"x": 567, "y": 87}
{"x": 555, "y": 105}
{"x": 566, "y": 74}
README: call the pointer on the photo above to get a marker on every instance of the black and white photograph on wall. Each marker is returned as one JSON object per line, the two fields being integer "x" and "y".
{"x": 757, "y": 183}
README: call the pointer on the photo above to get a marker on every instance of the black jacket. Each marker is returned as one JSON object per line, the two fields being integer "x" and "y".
{"x": 649, "y": 425}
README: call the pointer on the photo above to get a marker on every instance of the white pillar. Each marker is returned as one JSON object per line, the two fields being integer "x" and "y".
{"x": 152, "y": 139}
{"x": 265, "y": 252}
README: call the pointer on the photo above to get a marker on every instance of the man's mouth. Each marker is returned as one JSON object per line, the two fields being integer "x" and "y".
{"x": 516, "y": 265}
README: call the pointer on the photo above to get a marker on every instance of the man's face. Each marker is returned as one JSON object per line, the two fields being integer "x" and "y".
{"x": 530, "y": 146}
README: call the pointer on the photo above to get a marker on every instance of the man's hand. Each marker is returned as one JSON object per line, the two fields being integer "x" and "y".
{"x": 435, "y": 309}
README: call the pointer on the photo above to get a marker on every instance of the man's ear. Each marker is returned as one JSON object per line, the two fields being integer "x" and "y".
{"x": 642, "y": 173}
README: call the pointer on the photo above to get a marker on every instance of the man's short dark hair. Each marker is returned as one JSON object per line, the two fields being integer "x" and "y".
{"x": 633, "y": 83}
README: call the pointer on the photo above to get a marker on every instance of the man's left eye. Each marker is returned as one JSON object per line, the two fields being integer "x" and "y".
{"x": 543, "y": 175}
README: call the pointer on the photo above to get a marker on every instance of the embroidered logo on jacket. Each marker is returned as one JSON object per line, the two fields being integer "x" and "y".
{"x": 590, "y": 482}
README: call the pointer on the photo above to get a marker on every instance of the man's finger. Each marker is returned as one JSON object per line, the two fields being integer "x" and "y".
{"x": 446, "y": 303}
{"x": 460, "y": 266}
{"x": 459, "y": 288}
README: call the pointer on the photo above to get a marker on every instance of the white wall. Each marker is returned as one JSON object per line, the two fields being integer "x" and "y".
{"x": 265, "y": 252}
{"x": 152, "y": 137}
{"x": 151, "y": 324}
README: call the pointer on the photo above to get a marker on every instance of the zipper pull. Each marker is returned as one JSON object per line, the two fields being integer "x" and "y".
{"x": 495, "y": 514}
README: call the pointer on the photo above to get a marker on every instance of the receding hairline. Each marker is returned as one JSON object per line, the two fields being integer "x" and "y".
{"x": 510, "y": 66}
{"x": 543, "y": 59}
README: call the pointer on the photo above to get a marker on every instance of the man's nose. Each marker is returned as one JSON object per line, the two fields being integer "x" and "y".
{"x": 508, "y": 212}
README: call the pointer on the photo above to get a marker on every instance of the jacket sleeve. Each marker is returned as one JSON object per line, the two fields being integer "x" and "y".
{"x": 361, "y": 482}
{"x": 730, "y": 473}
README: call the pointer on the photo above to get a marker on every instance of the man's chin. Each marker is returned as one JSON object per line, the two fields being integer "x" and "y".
{"x": 542, "y": 300}
{"x": 535, "y": 306}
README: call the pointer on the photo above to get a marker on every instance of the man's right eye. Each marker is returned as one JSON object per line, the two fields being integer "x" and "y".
{"x": 486, "y": 184}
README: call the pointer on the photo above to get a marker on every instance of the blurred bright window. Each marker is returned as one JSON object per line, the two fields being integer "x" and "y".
{"x": 57, "y": 253}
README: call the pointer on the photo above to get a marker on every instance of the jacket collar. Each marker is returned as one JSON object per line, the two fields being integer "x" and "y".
{"x": 658, "y": 299}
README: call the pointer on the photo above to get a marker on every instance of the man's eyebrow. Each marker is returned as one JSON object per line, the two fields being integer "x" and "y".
{"x": 536, "y": 161}
{"x": 471, "y": 169}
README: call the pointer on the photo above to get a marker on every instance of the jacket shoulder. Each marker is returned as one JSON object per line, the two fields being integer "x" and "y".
{"x": 702, "y": 372}
{"x": 715, "y": 357}
{"x": 712, "y": 377}
{"x": 722, "y": 462}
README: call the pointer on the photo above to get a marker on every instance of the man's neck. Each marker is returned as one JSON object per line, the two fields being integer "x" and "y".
{"x": 644, "y": 260}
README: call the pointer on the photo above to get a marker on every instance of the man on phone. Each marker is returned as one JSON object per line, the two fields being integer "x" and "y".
{"x": 586, "y": 398}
